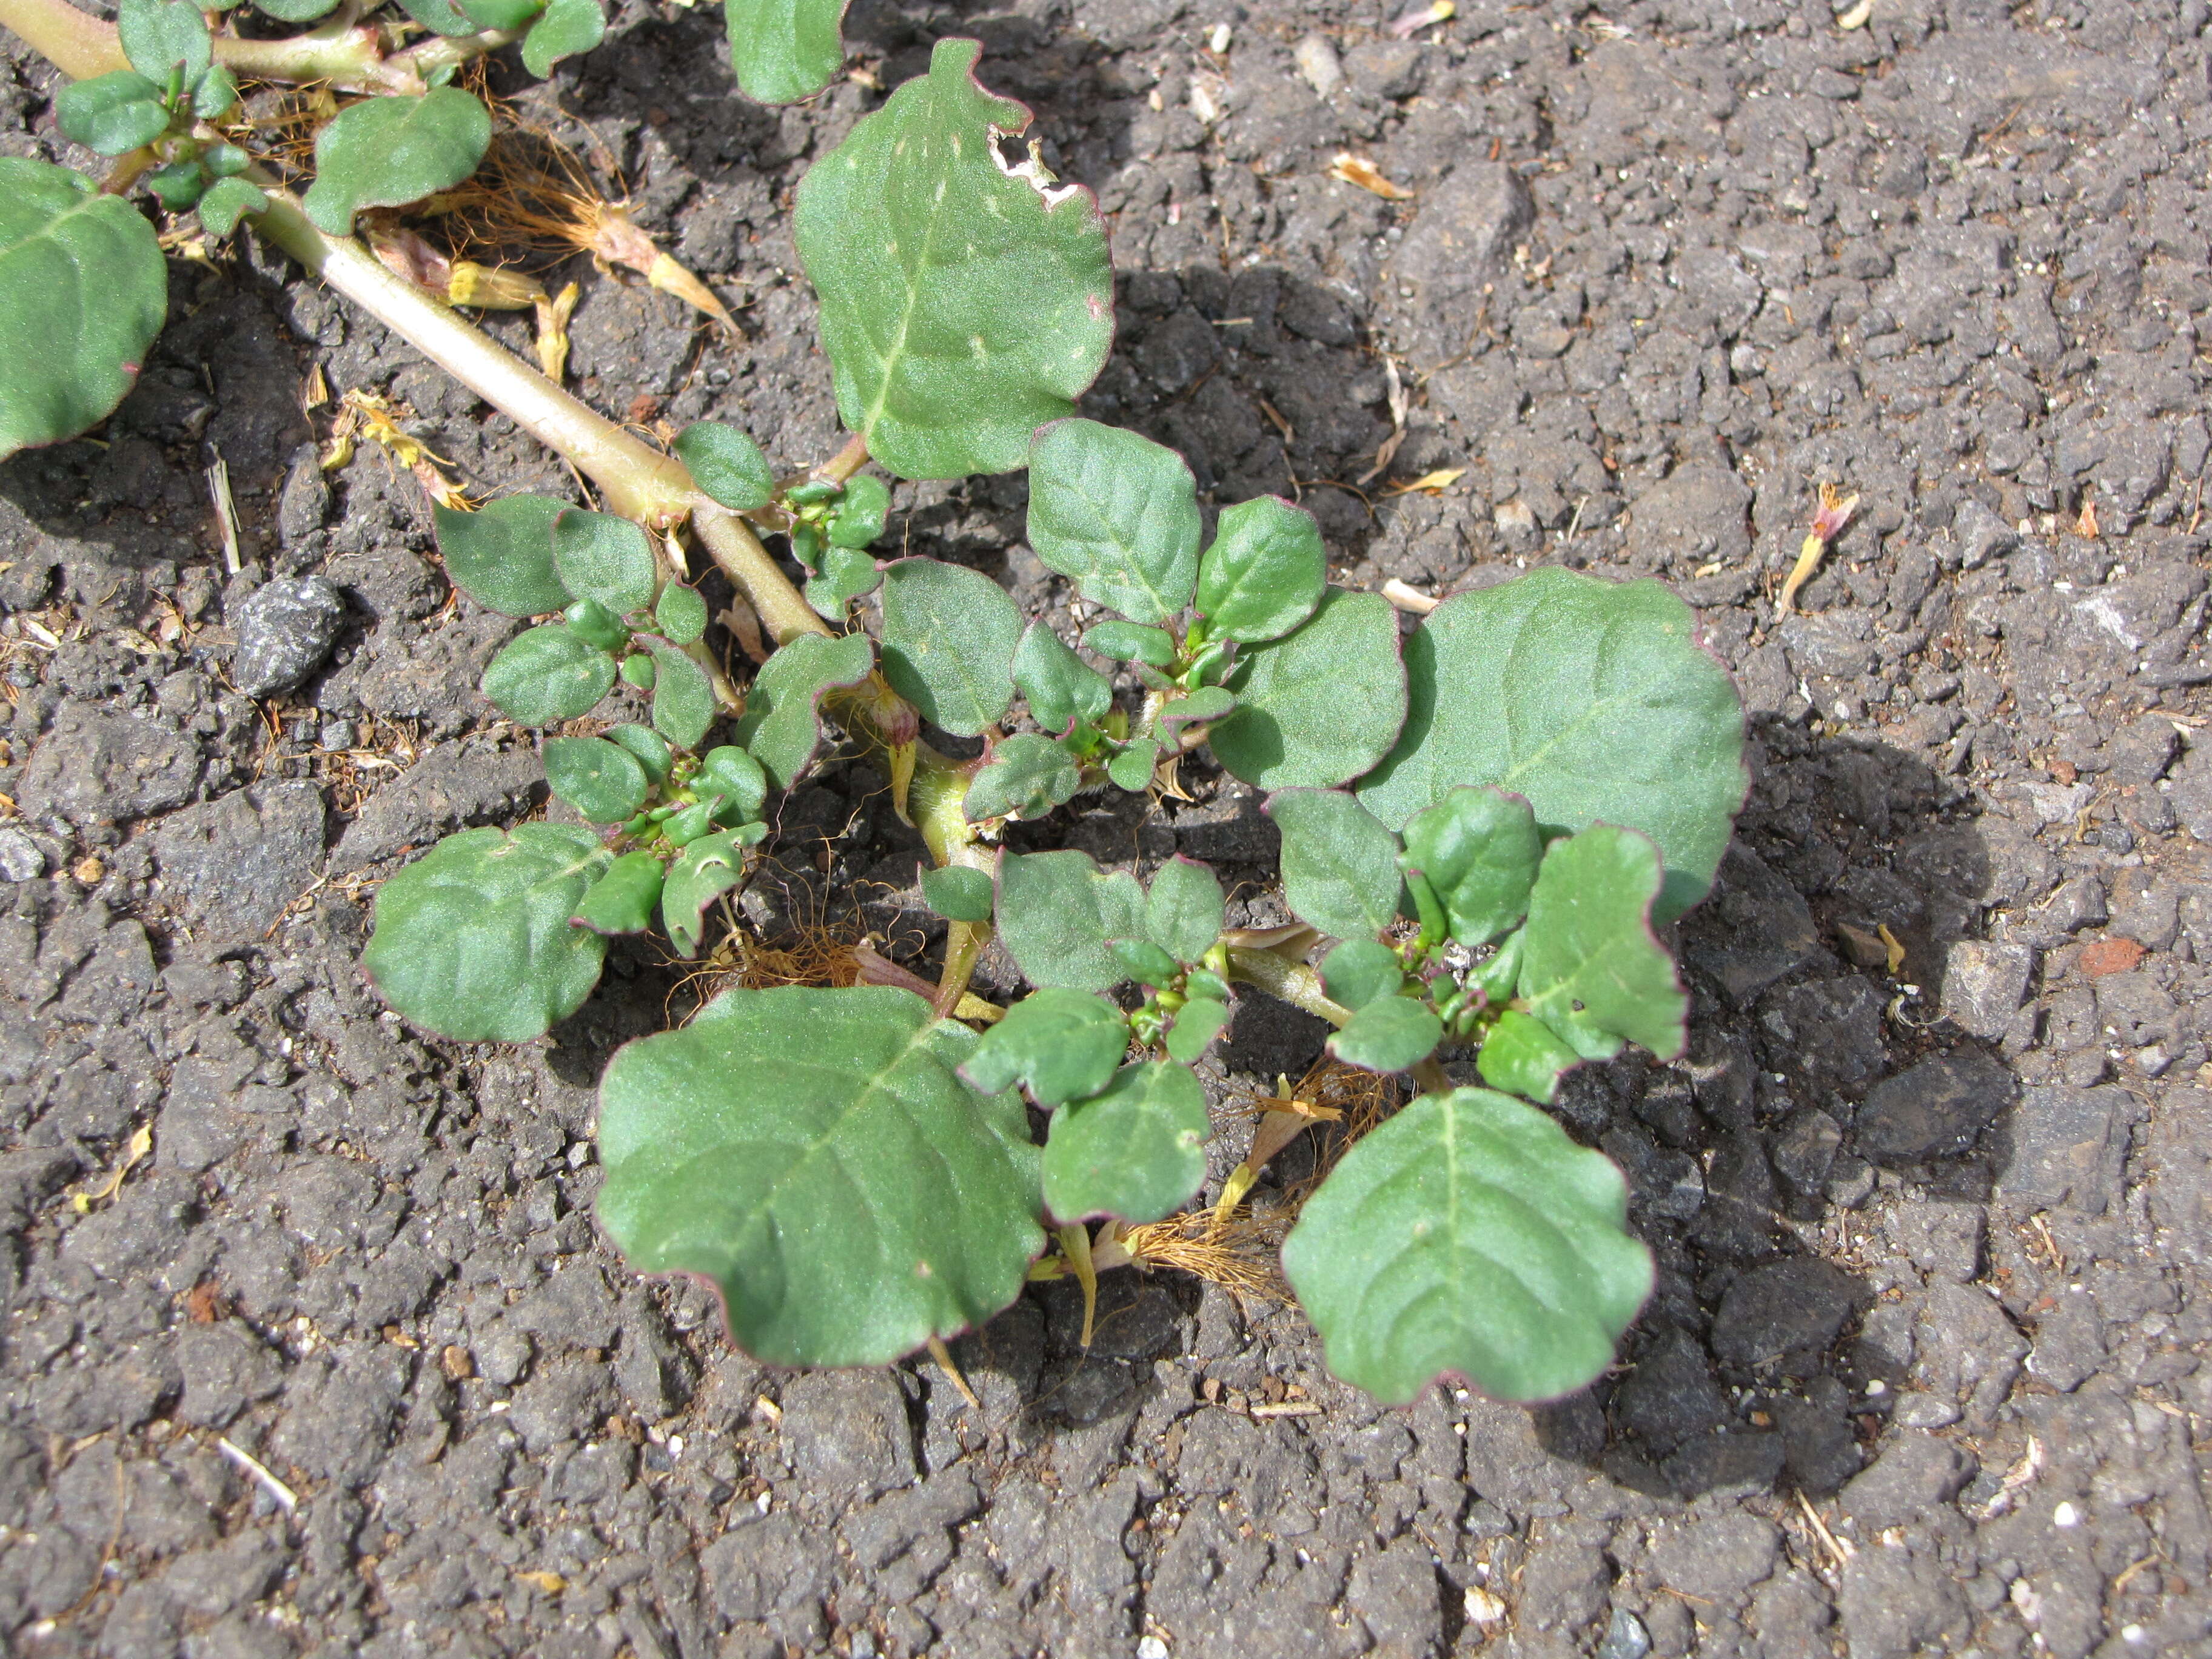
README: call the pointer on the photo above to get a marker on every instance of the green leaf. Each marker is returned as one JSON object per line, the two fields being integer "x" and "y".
{"x": 623, "y": 900}
{"x": 593, "y": 624}
{"x": 507, "y": 15}
{"x": 780, "y": 724}
{"x": 1479, "y": 849}
{"x": 1523, "y": 1057}
{"x": 728, "y": 464}
{"x": 501, "y": 555}
{"x": 1590, "y": 969}
{"x": 1198, "y": 1023}
{"x": 1131, "y": 642}
{"x": 1340, "y": 866}
{"x": 1182, "y": 912}
{"x": 737, "y": 777}
{"x": 683, "y": 697}
{"x": 1132, "y": 769}
{"x": 1468, "y": 1234}
{"x": 83, "y": 290}
{"x": 306, "y": 11}
{"x": 177, "y": 187}
{"x": 1058, "y": 686}
{"x": 1143, "y": 962}
{"x": 227, "y": 202}
{"x": 1116, "y": 512}
{"x": 549, "y": 675}
{"x": 1056, "y": 912}
{"x": 158, "y": 35}
{"x": 647, "y": 746}
{"x": 846, "y": 573}
{"x": 1137, "y": 1151}
{"x": 216, "y": 92}
{"x": 1390, "y": 1033}
{"x": 567, "y": 28}
{"x": 604, "y": 559}
{"x": 849, "y": 1208}
{"x": 1361, "y": 970}
{"x": 111, "y": 113}
{"x": 1320, "y": 705}
{"x": 1496, "y": 975}
{"x": 601, "y": 780}
{"x": 1027, "y": 777}
{"x": 1265, "y": 572}
{"x": 861, "y": 512}
{"x": 387, "y": 152}
{"x": 680, "y": 616}
{"x": 1203, "y": 707}
{"x": 1063, "y": 1044}
{"x": 1591, "y": 698}
{"x": 472, "y": 940}
{"x": 637, "y": 667}
{"x": 782, "y": 51}
{"x": 957, "y": 893}
{"x": 949, "y": 640}
{"x": 706, "y": 869}
{"x": 963, "y": 305}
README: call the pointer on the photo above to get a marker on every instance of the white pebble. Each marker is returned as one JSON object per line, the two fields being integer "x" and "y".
{"x": 1151, "y": 1647}
{"x": 2065, "y": 1515}
{"x": 1217, "y": 42}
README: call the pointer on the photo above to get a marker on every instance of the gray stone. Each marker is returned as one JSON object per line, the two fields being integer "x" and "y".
{"x": 2069, "y": 1146}
{"x": 305, "y": 501}
{"x": 846, "y": 1433}
{"x": 1467, "y": 224}
{"x": 1914, "y": 1474}
{"x": 234, "y": 864}
{"x": 1826, "y": 1034}
{"x": 1625, "y": 1637}
{"x": 100, "y": 766}
{"x": 1794, "y": 1309}
{"x": 1893, "y": 1605}
{"x": 1695, "y": 516}
{"x": 448, "y": 788}
{"x": 1753, "y": 928}
{"x": 19, "y": 857}
{"x": 1716, "y": 1558}
{"x": 1936, "y": 1109}
{"x": 1983, "y": 985}
{"x": 1669, "y": 1395}
{"x": 285, "y": 630}
{"x": 1803, "y": 1151}
{"x": 1966, "y": 1350}
{"x": 1981, "y": 534}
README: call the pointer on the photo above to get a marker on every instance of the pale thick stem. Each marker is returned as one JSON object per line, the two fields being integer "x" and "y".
{"x": 846, "y": 462}
{"x": 730, "y": 541}
{"x": 636, "y": 480}
{"x": 79, "y": 46}
{"x": 1293, "y": 982}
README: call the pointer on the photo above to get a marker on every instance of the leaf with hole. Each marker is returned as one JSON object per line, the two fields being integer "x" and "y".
{"x": 782, "y": 51}
{"x": 728, "y": 464}
{"x": 1027, "y": 777}
{"x": 1056, "y": 913}
{"x": 158, "y": 36}
{"x": 964, "y": 303}
{"x": 501, "y": 555}
{"x": 1321, "y": 705}
{"x": 705, "y": 870}
{"x": 566, "y": 28}
{"x": 602, "y": 780}
{"x": 847, "y": 1209}
{"x": 83, "y": 290}
{"x": 1118, "y": 514}
{"x": 1390, "y": 1033}
{"x": 1182, "y": 911}
{"x": 1058, "y": 686}
{"x": 782, "y": 724}
{"x": 604, "y": 559}
{"x": 949, "y": 640}
{"x": 1136, "y": 1151}
{"x": 1479, "y": 850}
{"x": 549, "y": 675}
{"x": 388, "y": 152}
{"x": 683, "y": 697}
{"x": 1063, "y": 1044}
{"x": 1360, "y": 970}
{"x": 111, "y": 113}
{"x": 623, "y": 900}
{"x": 1593, "y": 700}
{"x": 1522, "y": 1056}
{"x": 1590, "y": 967}
{"x": 1264, "y": 571}
{"x": 957, "y": 893}
{"x": 473, "y": 941}
{"x": 1467, "y": 1235}
{"x": 1340, "y": 866}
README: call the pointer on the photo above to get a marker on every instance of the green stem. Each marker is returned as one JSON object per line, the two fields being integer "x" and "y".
{"x": 1292, "y": 981}
{"x": 637, "y": 481}
{"x": 846, "y": 462}
{"x": 730, "y": 541}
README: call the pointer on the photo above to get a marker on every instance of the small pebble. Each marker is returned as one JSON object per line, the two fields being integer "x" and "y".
{"x": 1151, "y": 1648}
{"x": 1625, "y": 1638}
{"x": 285, "y": 630}
{"x": 19, "y": 857}
{"x": 2065, "y": 1515}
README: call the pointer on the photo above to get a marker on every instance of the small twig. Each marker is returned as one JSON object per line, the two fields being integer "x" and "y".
{"x": 1287, "y": 1408}
{"x": 943, "y": 1356}
{"x": 1407, "y": 597}
{"x": 1838, "y": 1550}
{"x": 251, "y": 1466}
{"x": 226, "y": 510}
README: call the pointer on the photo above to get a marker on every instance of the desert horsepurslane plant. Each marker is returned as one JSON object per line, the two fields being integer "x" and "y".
{"x": 1483, "y": 820}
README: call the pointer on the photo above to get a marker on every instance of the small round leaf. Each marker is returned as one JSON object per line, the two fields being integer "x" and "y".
{"x": 728, "y": 464}
{"x": 1064, "y": 1044}
{"x": 949, "y": 640}
{"x": 501, "y": 555}
{"x": 1264, "y": 571}
{"x": 623, "y": 900}
{"x": 957, "y": 893}
{"x": 567, "y": 29}
{"x": 1390, "y": 1033}
{"x": 549, "y": 675}
{"x": 1116, "y": 512}
{"x": 604, "y": 558}
{"x": 601, "y": 780}
{"x": 1136, "y": 1151}
{"x": 1321, "y": 705}
{"x": 387, "y": 152}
